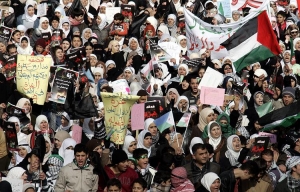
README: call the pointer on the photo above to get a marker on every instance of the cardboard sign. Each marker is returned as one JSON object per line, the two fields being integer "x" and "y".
{"x": 211, "y": 78}
{"x": 10, "y": 67}
{"x": 137, "y": 116}
{"x": 120, "y": 86}
{"x": 212, "y": 96}
{"x": 77, "y": 133}
{"x": 152, "y": 109}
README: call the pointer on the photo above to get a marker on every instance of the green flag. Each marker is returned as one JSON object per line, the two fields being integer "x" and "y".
{"x": 264, "y": 109}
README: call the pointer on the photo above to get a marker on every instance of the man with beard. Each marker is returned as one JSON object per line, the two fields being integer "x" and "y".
{"x": 119, "y": 169}
{"x": 193, "y": 94}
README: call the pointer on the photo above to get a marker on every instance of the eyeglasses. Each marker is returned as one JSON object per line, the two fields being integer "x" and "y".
{"x": 143, "y": 157}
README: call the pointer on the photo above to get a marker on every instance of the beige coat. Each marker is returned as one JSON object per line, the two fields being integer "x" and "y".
{"x": 74, "y": 179}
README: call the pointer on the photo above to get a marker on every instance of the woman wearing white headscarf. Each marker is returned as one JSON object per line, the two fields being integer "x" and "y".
{"x": 22, "y": 29}
{"x": 21, "y": 136}
{"x": 182, "y": 104}
{"x": 67, "y": 150}
{"x": 88, "y": 127}
{"x": 23, "y": 150}
{"x": 61, "y": 12}
{"x": 129, "y": 145}
{"x": 194, "y": 141}
{"x": 172, "y": 20}
{"x": 145, "y": 141}
{"x": 28, "y": 19}
{"x": 86, "y": 34}
{"x": 99, "y": 28}
{"x": 43, "y": 28}
{"x": 49, "y": 148}
{"x": 133, "y": 45}
{"x": 152, "y": 128}
{"x": 24, "y": 103}
{"x": 22, "y": 48}
{"x": 172, "y": 97}
{"x": 182, "y": 41}
{"x": 211, "y": 182}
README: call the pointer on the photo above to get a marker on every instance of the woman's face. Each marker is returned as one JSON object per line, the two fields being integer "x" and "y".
{"x": 99, "y": 150}
{"x": 183, "y": 43}
{"x": 93, "y": 61}
{"x": 158, "y": 73}
{"x": 24, "y": 44}
{"x": 64, "y": 121}
{"x": 58, "y": 14}
{"x": 65, "y": 45}
{"x": 293, "y": 83}
{"x": 185, "y": 85}
{"x": 17, "y": 127}
{"x": 17, "y": 37}
{"x": 171, "y": 22}
{"x": 103, "y": 9}
{"x": 54, "y": 24}
{"x": 133, "y": 45}
{"x": 39, "y": 49}
{"x": 215, "y": 132}
{"x": 59, "y": 54}
{"x": 27, "y": 107}
{"x": 172, "y": 95}
{"x": 282, "y": 48}
{"x": 115, "y": 47}
{"x": 127, "y": 74}
{"x": 287, "y": 57}
{"x": 294, "y": 33}
{"x": 22, "y": 152}
{"x": 2, "y": 48}
{"x": 182, "y": 104}
{"x": 98, "y": 20}
{"x": 182, "y": 71}
{"x": 97, "y": 77}
{"x": 110, "y": 66}
{"x": 88, "y": 50}
{"x": 227, "y": 69}
{"x": 45, "y": 25}
{"x": 210, "y": 118}
{"x": 236, "y": 144}
{"x": 30, "y": 11}
{"x": 152, "y": 129}
{"x": 259, "y": 99}
{"x": 280, "y": 19}
{"x": 87, "y": 34}
{"x": 148, "y": 141}
{"x": 44, "y": 125}
{"x": 256, "y": 66}
{"x": 265, "y": 85}
{"x": 150, "y": 33}
{"x": 66, "y": 26}
{"x": 297, "y": 46}
{"x": 47, "y": 147}
{"x": 132, "y": 146}
{"x": 292, "y": 7}
{"x": 215, "y": 186}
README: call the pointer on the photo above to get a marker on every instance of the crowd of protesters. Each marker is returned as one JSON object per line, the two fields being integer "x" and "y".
{"x": 213, "y": 153}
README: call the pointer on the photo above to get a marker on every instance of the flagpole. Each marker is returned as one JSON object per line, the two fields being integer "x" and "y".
{"x": 186, "y": 129}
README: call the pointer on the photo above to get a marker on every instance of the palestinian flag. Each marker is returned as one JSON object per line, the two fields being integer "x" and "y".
{"x": 283, "y": 117}
{"x": 254, "y": 41}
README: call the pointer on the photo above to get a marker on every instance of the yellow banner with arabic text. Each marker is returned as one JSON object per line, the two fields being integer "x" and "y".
{"x": 32, "y": 75}
{"x": 117, "y": 108}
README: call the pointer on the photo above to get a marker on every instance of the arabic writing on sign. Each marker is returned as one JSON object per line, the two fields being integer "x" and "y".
{"x": 117, "y": 108}
{"x": 32, "y": 75}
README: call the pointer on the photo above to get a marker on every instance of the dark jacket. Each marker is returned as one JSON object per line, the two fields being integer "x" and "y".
{"x": 228, "y": 181}
{"x": 195, "y": 174}
{"x": 225, "y": 163}
{"x": 148, "y": 176}
{"x": 283, "y": 187}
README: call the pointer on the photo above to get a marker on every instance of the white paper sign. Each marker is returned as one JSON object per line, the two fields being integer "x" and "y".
{"x": 41, "y": 9}
{"x": 172, "y": 49}
{"x": 211, "y": 78}
{"x": 120, "y": 85}
{"x": 110, "y": 13}
{"x": 224, "y": 7}
{"x": 16, "y": 184}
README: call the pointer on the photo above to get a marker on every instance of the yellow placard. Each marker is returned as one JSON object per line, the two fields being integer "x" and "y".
{"x": 32, "y": 75}
{"x": 117, "y": 108}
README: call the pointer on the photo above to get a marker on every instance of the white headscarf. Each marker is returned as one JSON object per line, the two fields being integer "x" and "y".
{"x": 86, "y": 129}
{"x": 21, "y": 102}
{"x": 128, "y": 139}
{"x": 48, "y": 30}
{"x": 21, "y": 28}
{"x": 28, "y": 50}
{"x": 38, "y": 121}
{"x": 82, "y": 36}
{"x": 61, "y": 11}
{"x": 16, "y": 173}
{"x": 214, "y": 142}
{"x": 208, "y": 180}
{"x": 65, "y": 153}
{"x": 47, "y": 155}
{"x": 28, "y": 17}
{"x": 194, "y": 141}
{"x": 62, "y": 21}
{"x": 103, "y": 21}
{"x": 183, "y": 49}
{"x": 139, "y": 50}
{"x": 140, "y": 143}
{"x": 230, "y": 153}
{"x": 21, "y": 136}
{"x": 178, "y": 100}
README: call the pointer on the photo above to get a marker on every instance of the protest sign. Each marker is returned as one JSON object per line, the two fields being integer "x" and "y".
{"x": 157, "y": 53}
{"x": 212, "y": 96}
{"x": 110, "y": 12}
{"x": 211, "y": 78}
{"x": 120, "y": 86}
{"x": 42, "y": 9}
{"x": 152, "y": 109}
{"x": 260, "y": 144}
{"x": 10, "y": 135}
{"x": 77, "y": 133}
{"x": 172, "y": 49}
{"x": 224, "y": 8}
{"x": 64, "y": 78}
{"x": 193, "y": 64}
{"x": 5, "y": 33}
{"x": 204, "y": 35}
{"x": 161, "y": 101}
{"x": 18, "y": 112}
{"x": 47, "y": 36}
{"x": 117, "y": 110}
{"x": 32, "y": 76}
{"x": 273, "y": 137}
{"x": 16, "y": 184}
{"x": 100, "y": 132}
{"x": 57, "y": 36}
{"x": 10, "y": 67}
{"x": 137, "y": 116}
